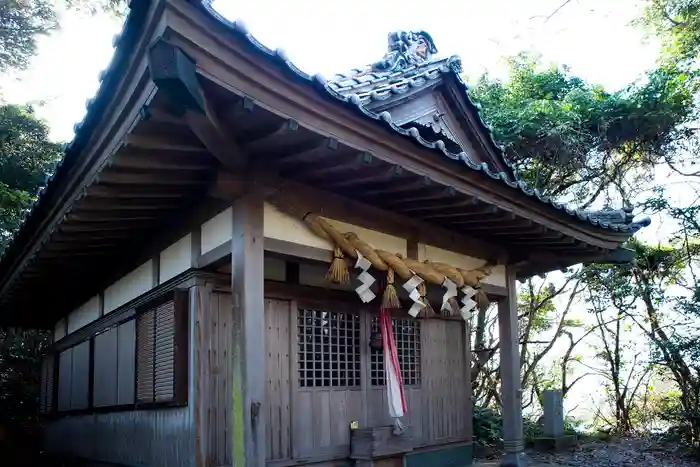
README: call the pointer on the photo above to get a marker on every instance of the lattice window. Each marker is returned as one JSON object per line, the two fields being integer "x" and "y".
{"x": 328, "y": 348}
{"x": 407, "y": 334}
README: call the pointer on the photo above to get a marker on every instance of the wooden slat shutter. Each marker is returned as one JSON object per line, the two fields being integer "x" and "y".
{"x": 145, "y": 355}
{"x": 47, "y": 388}
{"x": 161, "y": 352}
{"x": 164, "y": 371}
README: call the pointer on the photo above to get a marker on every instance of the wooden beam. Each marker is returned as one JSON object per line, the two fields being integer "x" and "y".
{"x": 125, "y": 205}
{"x": 342, "y": 163}
{"x": 382, "y": 175}
{"x": 427, "y": 195}
{"x": 268, "y": 141}
{"x": 437, "y": 205}
{"x": 112, "y": 215}
{"x": 411, "y": 186}
{"x": 107, "y": 226}
{"x": 176, "y": 74}
{"x": 157, "y": 192}
{"x": 122, "y": 177}
{"x": 364, "y": 215}
{"x": 163, "y": 143}
{"x": 153, "y": 160}
{"x": 249, "y": 331}
{"x": 465, "y": 212}
{"x": 317, "y": 151}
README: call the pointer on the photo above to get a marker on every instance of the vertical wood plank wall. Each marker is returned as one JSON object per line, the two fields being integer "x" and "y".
{"x": 216, "y": 400}
{"x": 154, "y": 438}
{"x": 313, "y": 423}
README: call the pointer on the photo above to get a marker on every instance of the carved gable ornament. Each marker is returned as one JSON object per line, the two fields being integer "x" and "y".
{"x": 405, "y": 49}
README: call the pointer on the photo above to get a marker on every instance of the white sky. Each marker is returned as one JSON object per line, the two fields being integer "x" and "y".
{"x": 593, "y": 37}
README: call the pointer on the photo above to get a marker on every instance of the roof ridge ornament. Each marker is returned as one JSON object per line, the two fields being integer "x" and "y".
{"x": 405, "y": 49}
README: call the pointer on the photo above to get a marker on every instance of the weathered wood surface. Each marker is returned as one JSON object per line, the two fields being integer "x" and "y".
{"x": 157, "y": 438}
{"x": 278, "y": 369}
{"x": 213, "y": 385}
{"x": 248, "y": 331}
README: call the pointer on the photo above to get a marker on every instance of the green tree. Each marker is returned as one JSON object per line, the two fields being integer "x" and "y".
{"x": 677, "y": 24}
{"x": 578, "y": 142}
{"x": 27, "y": 157}
{"x": 22, "y": 22}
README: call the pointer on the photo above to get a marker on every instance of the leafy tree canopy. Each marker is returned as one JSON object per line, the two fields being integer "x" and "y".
{"x": 577, "y": 141}
{"x": 23, "y": 21}
{"x": 26, "y": 157}
{"x": 677, "y": 24}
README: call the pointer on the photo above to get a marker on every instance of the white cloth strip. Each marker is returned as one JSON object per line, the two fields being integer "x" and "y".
{"x": 467, "y": 302}
{"x": 411, "y": 286}
{"x": 366, "y": 279}
{"x": 451, "y": 292}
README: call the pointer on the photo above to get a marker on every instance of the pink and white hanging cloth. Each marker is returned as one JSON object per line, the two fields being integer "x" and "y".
{"x": 392, "y": 373}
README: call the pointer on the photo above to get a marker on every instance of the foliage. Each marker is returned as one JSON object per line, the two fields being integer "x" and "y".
{"x": 487, "y": 424}
{"x": 578, "y": 142}
{"x": 21, "y": 22}
{"x": 677, "y": 24}
{"x": 20, "y": 361}
{"x": 26, "y": 158}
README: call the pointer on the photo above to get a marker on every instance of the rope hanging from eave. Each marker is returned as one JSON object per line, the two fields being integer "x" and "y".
{"x": 349, "y": 245}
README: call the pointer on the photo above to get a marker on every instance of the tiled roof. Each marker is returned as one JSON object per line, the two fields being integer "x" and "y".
{"x": 354, "y": 101}
{"x": 354, "y": 92}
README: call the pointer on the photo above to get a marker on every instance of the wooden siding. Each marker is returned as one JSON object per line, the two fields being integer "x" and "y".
{"x": 157, "y": 438}
{"x": 113, "y": 382}
{"x": 214, "y": 318}
{"x": 439, "y": 409}
{"x": 278, "y": 342}
{"x": 446, "y": 411}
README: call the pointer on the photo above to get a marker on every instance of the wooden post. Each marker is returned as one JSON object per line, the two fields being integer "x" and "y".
{"x": 511, "y": 392}
{"x": 248, "y": 329}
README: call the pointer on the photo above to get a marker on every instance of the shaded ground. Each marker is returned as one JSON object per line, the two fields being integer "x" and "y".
{"x": 638, "y": 452}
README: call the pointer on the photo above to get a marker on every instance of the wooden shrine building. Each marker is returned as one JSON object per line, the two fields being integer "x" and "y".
{"x": 213, "y": 252}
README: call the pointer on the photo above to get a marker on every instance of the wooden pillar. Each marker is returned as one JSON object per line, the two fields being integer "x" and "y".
{"x": 248, "y": 329}
{"x": 511, "y": 392}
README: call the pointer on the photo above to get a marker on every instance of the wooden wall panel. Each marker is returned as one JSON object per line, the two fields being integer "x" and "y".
{"x": 65, "y": 361}
{"x": 80, "y": 376}
{"x": 126, "y": 362}
{"x": 157, "y": 438}
{"x": 214, "y": 318}
{"x": 105, "y": 383}
{"x": 279, "y": 423}
{"x": 446, "y": 408}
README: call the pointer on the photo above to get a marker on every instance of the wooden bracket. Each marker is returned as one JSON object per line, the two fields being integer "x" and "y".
{"x": 175, "y": 73}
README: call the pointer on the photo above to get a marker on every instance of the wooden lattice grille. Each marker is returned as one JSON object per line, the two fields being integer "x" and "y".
{"x": 328, "y": 348}
{"x": 407, "y": 334}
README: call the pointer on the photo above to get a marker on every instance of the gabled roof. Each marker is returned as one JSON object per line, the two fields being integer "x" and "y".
{"x": 356, "y": 91}
{"x": 239, "y": 29}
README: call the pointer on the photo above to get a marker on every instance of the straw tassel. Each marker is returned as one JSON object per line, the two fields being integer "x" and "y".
{"x": 428, "y": 311}
{"x": 391, "y": 298}
{"x": 338, "y": 272}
